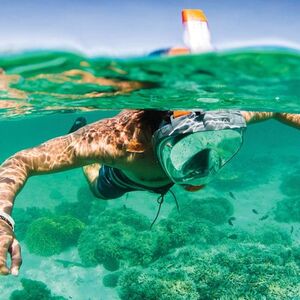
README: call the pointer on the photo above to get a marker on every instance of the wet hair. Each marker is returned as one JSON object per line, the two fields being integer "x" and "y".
{"x": 139, "y": 126}
{"x": 153, "y": 118}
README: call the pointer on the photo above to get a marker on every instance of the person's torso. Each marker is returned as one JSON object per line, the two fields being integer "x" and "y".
{"x": 138, "y": 163}
{"x": 146, "y": 170}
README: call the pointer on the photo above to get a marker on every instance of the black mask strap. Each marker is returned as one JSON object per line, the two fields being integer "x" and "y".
{"x": 160, "y": 201}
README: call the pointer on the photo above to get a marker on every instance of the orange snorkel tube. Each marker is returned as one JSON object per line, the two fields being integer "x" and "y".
{"x": 196, "y": 33}
{"x": 197, "y": 39}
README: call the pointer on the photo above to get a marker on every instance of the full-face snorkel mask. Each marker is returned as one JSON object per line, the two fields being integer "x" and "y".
{"x": 193, "y": 148}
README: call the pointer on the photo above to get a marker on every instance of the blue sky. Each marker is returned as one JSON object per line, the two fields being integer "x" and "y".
{"x": 118, "y": 27}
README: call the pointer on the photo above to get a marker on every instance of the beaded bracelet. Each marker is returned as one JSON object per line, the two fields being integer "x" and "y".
{"x": 7, "y": 219}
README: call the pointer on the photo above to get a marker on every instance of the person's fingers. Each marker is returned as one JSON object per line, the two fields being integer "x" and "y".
{"x": 16, "y": 257}
{"x": 5, "y": 242}
{"x": 4, "y": 270}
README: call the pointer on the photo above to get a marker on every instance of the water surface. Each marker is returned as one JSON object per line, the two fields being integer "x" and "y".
{"x": 254, "y": 79}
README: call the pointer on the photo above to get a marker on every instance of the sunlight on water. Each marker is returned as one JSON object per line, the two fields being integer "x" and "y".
{"x": 44, "y": 82}
{"x": 236, "y": 239}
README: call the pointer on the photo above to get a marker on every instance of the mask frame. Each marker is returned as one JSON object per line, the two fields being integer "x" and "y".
{"x": 193, "y": 148}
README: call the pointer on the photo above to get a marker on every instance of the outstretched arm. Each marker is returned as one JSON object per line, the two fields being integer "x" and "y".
{"x": 289, "y": 119}
{"x": 254, "y": 116}
{"x": 98, "y": 142}
{"x": 54, "y": 155}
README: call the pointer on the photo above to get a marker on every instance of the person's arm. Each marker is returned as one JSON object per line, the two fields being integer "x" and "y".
{"x": 93, "y": 143}
{"x": 254, "y": 116}
{"x": 54, "y": 155}
{"x": 289, "y": 119}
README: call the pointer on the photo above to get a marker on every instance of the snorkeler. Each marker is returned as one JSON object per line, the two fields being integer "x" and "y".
{"x": 135, "y": 150}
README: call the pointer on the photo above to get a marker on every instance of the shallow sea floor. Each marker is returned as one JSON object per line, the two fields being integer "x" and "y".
{"x": 240, "y": 226}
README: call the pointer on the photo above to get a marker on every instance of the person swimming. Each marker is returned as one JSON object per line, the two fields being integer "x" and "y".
{"x": 136, "y": 150}
{"x": 141, "y": 146}
{"x": 190, "y": 148}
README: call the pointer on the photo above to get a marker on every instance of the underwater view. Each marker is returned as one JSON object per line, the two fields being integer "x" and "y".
{"x": 237, "y": 238}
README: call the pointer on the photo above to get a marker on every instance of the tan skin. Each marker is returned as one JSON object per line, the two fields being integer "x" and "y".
{"x": 123, "y": 142}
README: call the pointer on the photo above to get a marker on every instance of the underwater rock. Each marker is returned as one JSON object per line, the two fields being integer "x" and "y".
{"x": 288, "y": 210}
{"x": 24, "y": 217}
{"x": 47, "y": 236}
{"x": 232, "y": 271}
{"x": 290, "y": 186}
{"x": 215, "y": 210}
{"x": 33, "y": 290}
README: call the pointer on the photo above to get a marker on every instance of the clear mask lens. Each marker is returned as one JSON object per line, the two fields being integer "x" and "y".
{"x": 195, "y": 158}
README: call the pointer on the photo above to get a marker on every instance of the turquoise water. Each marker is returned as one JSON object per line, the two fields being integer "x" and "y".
{"x": 47, "y": 82}
{"x": 236, "y": 239}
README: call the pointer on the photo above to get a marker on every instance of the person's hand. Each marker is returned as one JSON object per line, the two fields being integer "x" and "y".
{"x": 9, "y": 244}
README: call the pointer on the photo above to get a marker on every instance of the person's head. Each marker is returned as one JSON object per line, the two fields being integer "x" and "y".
{"x": 194, "y": 147}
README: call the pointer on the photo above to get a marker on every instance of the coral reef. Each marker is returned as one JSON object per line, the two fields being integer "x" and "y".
{"x": 177, "y": 232}
{"x": 271, "y": 234}
{"x": 24, "y": 217}
{"x": 288, "y": 209}
{"x": 215, "y": 210}
{"x": 111, "y": 280}
{"x": 266, "y": 234}
{"x": 117, "y": 234}
{"x": 86, "y": 207}
{"x": 33, "y": 290}
{"x": 155, "y": 284}
{"x": 123, "y": 236}
{"x": 47, "y": 236}
{"x": 231, "y": 271}
{"x": 296, "y": 254}
{"x": 290, "y": 186}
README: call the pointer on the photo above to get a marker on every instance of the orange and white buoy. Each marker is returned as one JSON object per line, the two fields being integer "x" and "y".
{"x": 196, "y": 32}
